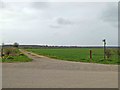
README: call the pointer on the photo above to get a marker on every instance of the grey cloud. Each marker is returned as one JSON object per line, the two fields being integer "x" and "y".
{"x": 2, "y": 4}
{"x": 13, "y": 5}
{"x": 110, "y": 15}
{"x": 119, "y": 11}
{"x": 54, "y": 26}
{"x": 63, "y": 21}
{"x": 22, "y": 5}
{"x": 40, "y": 5}
{"x": 60, "y": 22}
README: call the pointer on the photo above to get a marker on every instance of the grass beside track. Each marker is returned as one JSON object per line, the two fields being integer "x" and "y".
{"x": 78, "y": 54}
{"x": 14, "y": 56}
{"x": 17, "y": 59}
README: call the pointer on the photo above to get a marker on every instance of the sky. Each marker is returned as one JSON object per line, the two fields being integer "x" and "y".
{"x": 59, "y": 23}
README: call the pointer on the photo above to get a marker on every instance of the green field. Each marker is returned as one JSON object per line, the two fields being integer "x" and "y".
{"x": 78, "y": 54}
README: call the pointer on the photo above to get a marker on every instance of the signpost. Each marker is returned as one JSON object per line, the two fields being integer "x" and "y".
{"x": 104, "y": 41}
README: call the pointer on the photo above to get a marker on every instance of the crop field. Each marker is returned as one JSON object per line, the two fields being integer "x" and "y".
{"x": 80, "y": 54}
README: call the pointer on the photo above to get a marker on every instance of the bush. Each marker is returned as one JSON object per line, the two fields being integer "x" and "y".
{"x": 11, "y": 51}
{"x": 9, "y": 57}
{"x": 108, "y": 53}
{"x": 21, "y": 54}
{"x": 7, "y": 51}
{"x": 118, "y": 52}
{"x": 3, "y": 55}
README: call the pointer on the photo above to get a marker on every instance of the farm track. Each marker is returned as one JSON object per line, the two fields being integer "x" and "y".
{"x": 49, "y": 63}
{"x": 44, "y": 72}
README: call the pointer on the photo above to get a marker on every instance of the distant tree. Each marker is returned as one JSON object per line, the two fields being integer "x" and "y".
{"x": 15, "y": 44}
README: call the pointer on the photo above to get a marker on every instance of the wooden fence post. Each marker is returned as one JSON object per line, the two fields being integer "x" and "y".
{"x": 90, "y": 55}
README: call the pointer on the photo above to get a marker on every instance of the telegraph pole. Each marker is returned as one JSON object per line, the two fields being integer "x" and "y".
{"x": 104, "y": 41}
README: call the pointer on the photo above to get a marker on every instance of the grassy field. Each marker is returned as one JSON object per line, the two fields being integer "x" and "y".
{"x": 14, "y": 55}
{"x": 78, "y": 54}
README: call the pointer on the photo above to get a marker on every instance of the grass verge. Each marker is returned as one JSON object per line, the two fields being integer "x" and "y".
{"x": 17, "y": 59}
{"x": 14, "y": 55}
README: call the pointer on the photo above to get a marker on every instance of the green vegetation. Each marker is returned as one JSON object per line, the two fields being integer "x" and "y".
{"x": 13, "y": 54}
{"x": 80, "y": 54}
{"x": 0, "y": 60}
{"x": 17, "y": 59}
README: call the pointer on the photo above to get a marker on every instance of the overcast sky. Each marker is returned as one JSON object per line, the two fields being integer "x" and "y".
{"x": 59, "y": 23}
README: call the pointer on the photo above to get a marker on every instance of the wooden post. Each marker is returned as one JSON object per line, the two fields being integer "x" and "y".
{"x": 2, "y": 50}
{"x": 90, "y": 55}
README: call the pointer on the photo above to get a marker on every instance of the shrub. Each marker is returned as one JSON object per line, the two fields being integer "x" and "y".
{"x": 118, "y": 52}
{"x": 21, "y": 54}
{"x": 9, "y": 57}
{"x": 3, "y": 55}
{"x": 11, "y": 51}
{"x": 108, "y": 53}
{"x": 7, "y": 51}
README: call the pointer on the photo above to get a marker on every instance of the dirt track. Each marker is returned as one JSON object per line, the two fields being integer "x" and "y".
{"x": 44, "y": 72}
